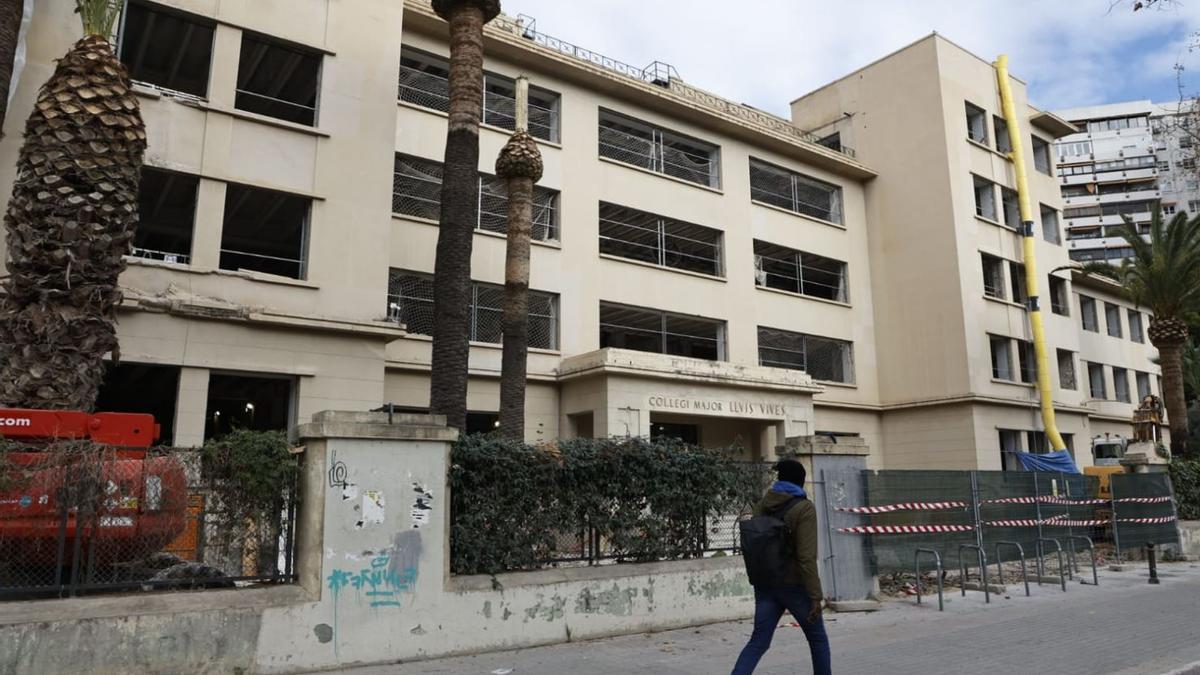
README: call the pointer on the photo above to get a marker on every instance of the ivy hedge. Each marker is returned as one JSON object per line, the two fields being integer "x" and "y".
{"x": 1185, "y": 478}
{"x": 512, "y": 504}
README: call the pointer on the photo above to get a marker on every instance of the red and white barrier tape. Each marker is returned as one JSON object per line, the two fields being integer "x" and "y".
{"x": 904, "y": 529}
{"x": 1014, "y": 523}
{"x": 1143, "y": 500}
{"x": 1095, "y": 523}
{"x": 907, "y": 506}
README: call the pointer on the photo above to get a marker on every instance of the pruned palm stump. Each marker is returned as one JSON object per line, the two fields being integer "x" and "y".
{"x": 69, "y": 224}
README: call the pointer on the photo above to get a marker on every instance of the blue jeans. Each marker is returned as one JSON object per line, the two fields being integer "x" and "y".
{"x": 769, "y": 605}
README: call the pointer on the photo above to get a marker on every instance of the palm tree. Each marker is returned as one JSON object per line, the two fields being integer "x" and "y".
{"x": 10, "y": 29}
{"x": 460, "y": 208}
{"x": 1163, "y": 275}
{"x": 69, "y": 224}
{"x": 520, "y": 164}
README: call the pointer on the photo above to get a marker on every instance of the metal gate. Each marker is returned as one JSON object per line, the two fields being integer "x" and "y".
{"x": 845, "y": 562}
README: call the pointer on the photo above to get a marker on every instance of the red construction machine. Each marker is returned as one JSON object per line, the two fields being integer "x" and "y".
{"x": 112, "y": 500}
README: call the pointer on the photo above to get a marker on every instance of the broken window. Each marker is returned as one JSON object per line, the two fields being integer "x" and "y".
{"x": 410, "y": 302}
{"x": 142, "y": 388}
{"x": 1002, "y": 365}
{"x": 985, "y": 198}
{"x": 1135, "y": 326}
{"x": 1041, "y": 156}
{"x": 424, "y": 81}
{"x": 993, "y": 277}
{"x": 1087, "y": 313}
{"x": 800, "y": 272}
{"x": 795, "y": 192}
{"x": 1096, "y": 385}
{"x": 823, "y": 358}
{"x": 265, "y": 231}
{"x": 1003, "y": 141}
{"x": 976, "y": 124}
{"x": 255, "y": 402}
{"x": 1066, "y": 370}
{"x": 655, "y": 149}
{"x": 1010, "y": 445}
{"x": 637, "y": 235}
{"x": 1027, "y": 360}
{"x": 166, "y": 48}
{"x": 1050, "y": 229}
{"x": 417, "y": 191}
{"x": 1112, "y": 319}
{"x": 1019, "y": 293}
{"x": 651, "y": 330}
{"x": 1143, "y": 384}
{"x": 167, "y": 214}
{"x": 1059, "y": 296}
{"x": 1121, "y": 384}
{"x": 278, "y": 80}
{"x": 1012, "y": 208}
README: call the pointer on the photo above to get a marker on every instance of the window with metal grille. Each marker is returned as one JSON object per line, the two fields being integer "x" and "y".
{"x": 1121, "y": 384}
{"x": 1059, "y": 296}
{"x": 165, "y": 48}
{"x": 1097, "y": 387}
{"x": 650, "y": 147}
{"x": 976, "y": 124}
{"x": 1017, "y": 273}
{"x": 417, "y": 191}
{"x": 800, "y": 272}
{"x": 795, "y": 192}
{"x": 1087, "y": 313}
{"x": 1143, "y": 384}
{"x": 1066, "y": 370}
{"x": 985, "y": 198}
{"x": 410, "y": 302}
{"x": 424, "y": 81}
{"x": 278, "y": 80}
{"x": 1135, "y": 326}
{"x": 1027, "y": 359}
{"x": 637, "y": 235}
{"x": 1112, "y": 319}
{"x": 1002, "y": 364}
{"x": 993, "y": 276}
{"x": 1041, "y": 156}
{"x": 823, "y": 358}
{"x": 167, "y": 214}
{"x": 265, "y": 231}
{"x": 652, "y": 330}
{"x": 1050, "y": 230}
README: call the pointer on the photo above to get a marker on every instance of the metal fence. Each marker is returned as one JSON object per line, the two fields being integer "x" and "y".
{"x": 97, "y": 521}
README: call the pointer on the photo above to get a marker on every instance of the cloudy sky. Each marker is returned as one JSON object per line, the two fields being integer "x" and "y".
{"x": 767, "y": 52}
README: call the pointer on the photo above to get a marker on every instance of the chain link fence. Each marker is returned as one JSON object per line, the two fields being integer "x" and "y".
{"x": 76, "y": 518}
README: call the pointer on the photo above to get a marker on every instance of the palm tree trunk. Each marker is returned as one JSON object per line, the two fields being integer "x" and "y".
{"x": 11, "y": 12}
{"x": 1170, "y": 354}
{"x": 69, "y": 224}
{"x": 516, "y": 309}
{"x": 460, "y": 212}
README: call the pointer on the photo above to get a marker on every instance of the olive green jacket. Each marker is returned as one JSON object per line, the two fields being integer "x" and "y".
{"x": 801, "y": 519}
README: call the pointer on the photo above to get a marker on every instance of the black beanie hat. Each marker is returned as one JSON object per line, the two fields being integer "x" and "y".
{"x": 791, "y": 470}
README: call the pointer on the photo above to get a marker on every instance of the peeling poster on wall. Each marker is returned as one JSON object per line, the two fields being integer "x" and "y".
{"x": 422, "y": 505}
{"x": 372, "y": 507}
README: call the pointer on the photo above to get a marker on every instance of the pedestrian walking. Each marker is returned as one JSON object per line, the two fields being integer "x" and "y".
{"x": 779, "y": 545}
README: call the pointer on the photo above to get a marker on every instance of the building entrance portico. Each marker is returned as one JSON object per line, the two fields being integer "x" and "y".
{"x": 617, "y": 392}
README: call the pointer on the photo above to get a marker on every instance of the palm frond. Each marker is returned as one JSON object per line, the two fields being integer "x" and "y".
{"x": 1163, "y": 272}
{"x": 98, "y": 16}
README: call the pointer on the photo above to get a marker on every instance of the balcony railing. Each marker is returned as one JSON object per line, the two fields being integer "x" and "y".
{"x": 656, "y": 156}
{"x": 429, "y": 90}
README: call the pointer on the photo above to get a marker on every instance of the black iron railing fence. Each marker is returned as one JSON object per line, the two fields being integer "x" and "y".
{"x": 78, "y": 519}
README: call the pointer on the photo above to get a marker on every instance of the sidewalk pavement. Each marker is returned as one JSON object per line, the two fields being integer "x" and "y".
{"x": 1124, "y": 627}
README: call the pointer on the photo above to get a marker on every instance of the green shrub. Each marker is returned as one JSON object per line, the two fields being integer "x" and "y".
{"x": 646, "y": 500}
{"x": 1185, "y": 478}
{"x": 252, "y": 470}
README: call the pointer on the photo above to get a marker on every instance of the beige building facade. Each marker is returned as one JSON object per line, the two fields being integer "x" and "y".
{"x": 700, "y": 269}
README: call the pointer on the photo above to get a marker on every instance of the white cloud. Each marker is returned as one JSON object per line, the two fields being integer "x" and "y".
{"x": 767, "y": 52}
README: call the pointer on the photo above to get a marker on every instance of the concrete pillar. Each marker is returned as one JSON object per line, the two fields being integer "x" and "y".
{"x": 206, "y": 231}
{"x": 227, "y": 52}
{"x": 191, "y": 407}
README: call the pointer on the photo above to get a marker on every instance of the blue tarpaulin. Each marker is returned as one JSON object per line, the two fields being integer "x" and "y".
{"x": 1059, "y": 462}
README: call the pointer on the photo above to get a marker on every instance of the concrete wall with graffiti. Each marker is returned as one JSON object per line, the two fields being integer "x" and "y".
{"x": 374, "y": 583}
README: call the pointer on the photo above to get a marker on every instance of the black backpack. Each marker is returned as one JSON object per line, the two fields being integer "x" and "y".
{"x": 768, "y": 547}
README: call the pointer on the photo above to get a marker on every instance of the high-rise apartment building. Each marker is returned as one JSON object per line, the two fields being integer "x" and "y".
{"x": 700, "y": 269}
